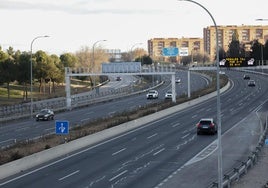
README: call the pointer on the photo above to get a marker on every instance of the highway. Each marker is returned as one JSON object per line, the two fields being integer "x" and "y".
{"x": 27, "y": 129}
{"x": 146, "y": 156}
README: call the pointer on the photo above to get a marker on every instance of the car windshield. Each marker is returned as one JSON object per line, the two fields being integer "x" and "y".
{"x": 205, "y": 122}
{"x": 151, "y": 91}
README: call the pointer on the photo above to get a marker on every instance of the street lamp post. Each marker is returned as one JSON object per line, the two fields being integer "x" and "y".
{"x": 93, "y": 58}
{"x": 131, "y": 53}
{"x": 218, "y": 96}
{"x": 31, "y": 70}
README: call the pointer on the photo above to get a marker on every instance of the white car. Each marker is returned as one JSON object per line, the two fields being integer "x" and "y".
{"x": 168, "y": 95}
{"x": 152, "y": 94}
{"x": 178, "y": 80}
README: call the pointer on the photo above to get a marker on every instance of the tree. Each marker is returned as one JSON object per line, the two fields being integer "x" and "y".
{"x": 8, "y": 70}
{"x": 235, "y": 49}
{"x": 23, "y": 76}
{"x": 265, "y": 51}
{"x": 257, "y": 50}
{"x": 145, "y": 60}
{"x": 68, "y": 60}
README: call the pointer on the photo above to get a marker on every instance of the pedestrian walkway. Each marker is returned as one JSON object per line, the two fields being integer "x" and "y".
{"x": 257, "y": 176}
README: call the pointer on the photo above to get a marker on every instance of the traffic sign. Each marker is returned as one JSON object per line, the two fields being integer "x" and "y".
{"x": 184, "y": 51}
{"x": 171, "y": 51}
{"x": 62, "y": 127}
{"x": 266, "y": 141}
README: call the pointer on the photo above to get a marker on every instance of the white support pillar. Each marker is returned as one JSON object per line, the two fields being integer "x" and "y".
{"x": 68, "y": 90}
{"x": 173, "y": 88}
{"x": 189, "y": 84}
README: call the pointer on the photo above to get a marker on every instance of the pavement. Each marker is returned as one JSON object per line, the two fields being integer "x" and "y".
{"x": 257, "y": 176}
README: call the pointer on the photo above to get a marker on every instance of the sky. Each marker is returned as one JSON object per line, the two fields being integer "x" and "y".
{"x": 75, "y": 24}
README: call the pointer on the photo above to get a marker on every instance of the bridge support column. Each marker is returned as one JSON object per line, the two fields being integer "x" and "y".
{"x": 68, "y": 90}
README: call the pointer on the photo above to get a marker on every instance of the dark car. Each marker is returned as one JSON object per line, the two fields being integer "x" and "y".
{"x": 251, "y": 83}
{"x": 206, "y": 125}
{"x": 246, "y": 77}
{"x": 45, "y": 114}
{"x": 118, "y": 78}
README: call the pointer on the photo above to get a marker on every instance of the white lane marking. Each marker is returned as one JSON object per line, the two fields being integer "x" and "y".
{"x": 152, "y": 136}
{"x": 86, "y": 119}
{"x": 185, "y": 136}
{"x": 73, "y": 173}
{"x": 8, "y": 140}
{"x": 175, "y": 125}
{"x": 113, "y": 178}
{"x": 208, "y": 109}
{"x": 159, "y": 151}
{"x": 89, "y": 113}
{"x": 119, "y": 151}
{"x": 53, "y": 128}
{"x": 194, "y": 116}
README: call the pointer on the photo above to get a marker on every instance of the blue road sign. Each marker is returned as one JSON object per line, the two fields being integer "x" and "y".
{"x": 171, "y": 51}
{"x": 266, "y": 141}
{"x": 62, "y": 127}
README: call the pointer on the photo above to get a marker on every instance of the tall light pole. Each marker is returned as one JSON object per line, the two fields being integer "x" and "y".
{"x": 218, "y": 96}
{"x": 93, "y": 58}
{"x": 131, "y": 53}
{"x": 31, "y": 70}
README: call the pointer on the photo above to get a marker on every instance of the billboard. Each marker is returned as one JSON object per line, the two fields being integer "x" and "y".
{"x": 237, "y": 62}
{"x": 171, "y": 51}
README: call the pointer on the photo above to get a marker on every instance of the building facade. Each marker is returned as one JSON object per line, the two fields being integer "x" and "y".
{"x": 246, "y": 34}
{"x": 156, "y": 45}
{"x": 207, "y": 44}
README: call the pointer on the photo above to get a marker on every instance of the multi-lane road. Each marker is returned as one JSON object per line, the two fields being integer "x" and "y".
{"x": 144, "y": 157}
{"x": 27, "y": 129}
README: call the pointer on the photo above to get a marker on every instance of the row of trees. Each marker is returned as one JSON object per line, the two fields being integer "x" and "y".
{"x": 257, "y": 50}
{"x": 47, "y": 69}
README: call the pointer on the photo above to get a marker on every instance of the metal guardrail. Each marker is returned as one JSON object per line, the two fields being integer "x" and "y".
{"x": 59, "y": 104}
{"x": 243, "y": 168}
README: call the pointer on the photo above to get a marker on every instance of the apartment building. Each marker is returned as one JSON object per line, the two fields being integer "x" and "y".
{"x": 246, "y": 34}
{"x": 155, "y": 46}
{"x": 207, "y": 44}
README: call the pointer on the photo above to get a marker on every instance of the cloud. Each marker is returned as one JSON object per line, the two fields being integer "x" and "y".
{"x": 73, "y": 7}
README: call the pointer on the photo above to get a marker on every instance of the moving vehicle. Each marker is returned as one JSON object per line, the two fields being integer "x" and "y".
{"x": 246, "y": 77}
{"x": 118, "y": 78}
{"x": 45, "y": 114}
{"x": 251, "y": 83}
{"x": 177, "y": 80}
{"x": 168, "y": 95}
{"x": 152, "y": 94}
{"x": 206, "y": 125}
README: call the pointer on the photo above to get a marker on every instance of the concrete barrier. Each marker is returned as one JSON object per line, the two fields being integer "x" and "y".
{"x": 28, "y": 162}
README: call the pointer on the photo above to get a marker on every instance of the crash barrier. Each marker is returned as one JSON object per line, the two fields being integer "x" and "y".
{"x": 237, "y": 172}
{"x": 57, "y": 104}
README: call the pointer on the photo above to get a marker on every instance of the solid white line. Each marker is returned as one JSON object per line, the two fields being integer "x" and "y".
{"x": 118, "y": 175}
{"x": 69, "y": 175}
{"x": 8, "y": 140}
{"x": 159, "y": 151}
{"x": 119, "y": 151}
{"x": 151, "y": 136}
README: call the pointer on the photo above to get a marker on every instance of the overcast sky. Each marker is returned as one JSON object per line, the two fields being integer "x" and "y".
{"x": 72, "y": 24}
